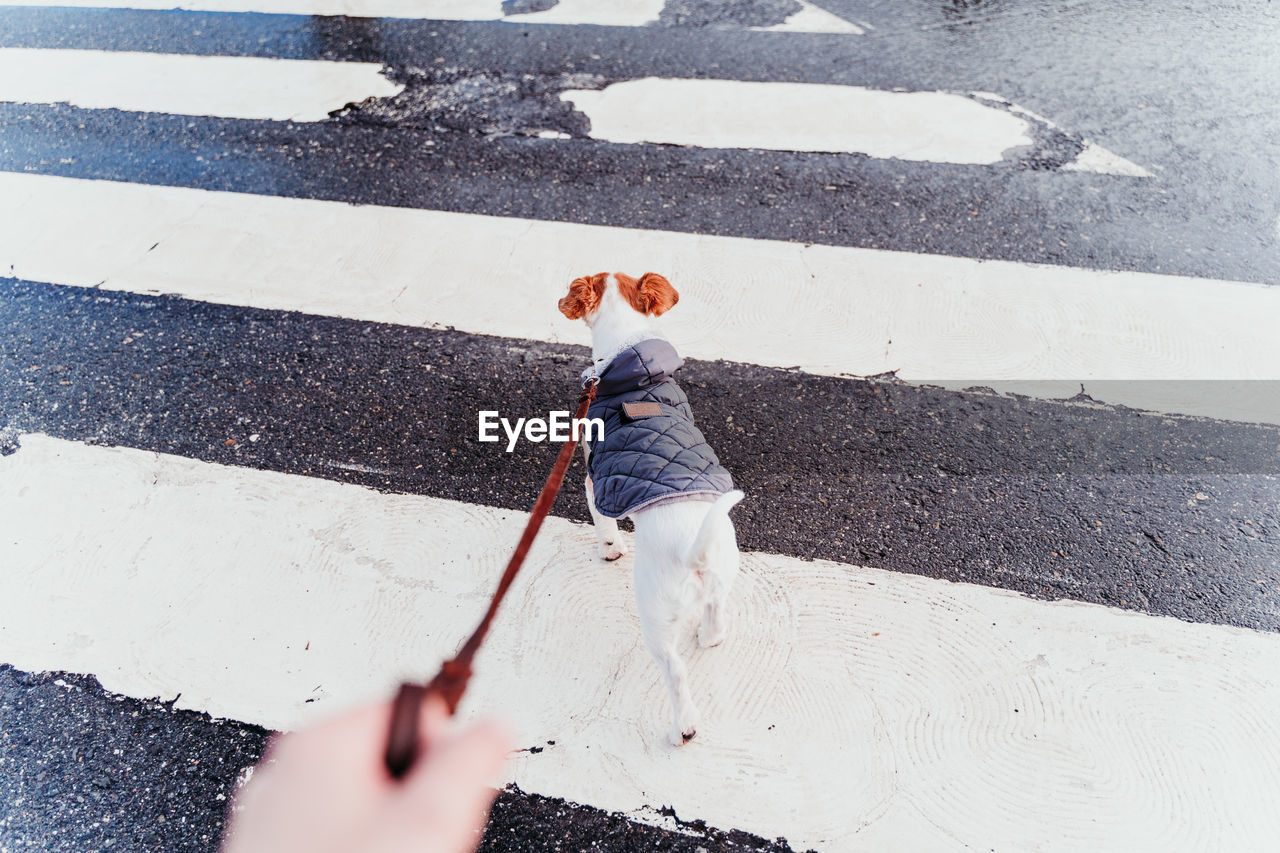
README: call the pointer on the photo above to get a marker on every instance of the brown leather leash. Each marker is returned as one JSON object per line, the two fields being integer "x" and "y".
{"x": 451, "y": 681}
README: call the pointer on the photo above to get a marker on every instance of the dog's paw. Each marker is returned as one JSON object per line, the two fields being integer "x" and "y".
{"x": 679, "y": 737}
{"x": 611, "y": 551}
{"x": 708, "y": 637}
{"x": 684, "y": 727}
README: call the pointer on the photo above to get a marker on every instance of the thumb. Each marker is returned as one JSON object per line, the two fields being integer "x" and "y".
{"x": 447, "y": 795}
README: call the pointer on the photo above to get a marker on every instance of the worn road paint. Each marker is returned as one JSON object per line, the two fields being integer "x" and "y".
{"x": 827, "y": 310}
{"x": 225, "y": 86}
{"x": 926, "y": 126}
{"x": 440, "y": 10}
{"x": 1095, "y": 158}
{"x": 811, "y": 19}
{"x": 936, "y": 127}
{"x": 610, "y": 13}
{"x": 849, "y": 706}
{"x": 1092, "y": 157}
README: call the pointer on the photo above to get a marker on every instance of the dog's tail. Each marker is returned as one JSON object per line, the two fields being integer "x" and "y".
{"x": 696, "y": 557}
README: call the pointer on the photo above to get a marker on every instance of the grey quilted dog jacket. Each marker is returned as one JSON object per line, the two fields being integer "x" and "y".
{"x": 650, "y": 458}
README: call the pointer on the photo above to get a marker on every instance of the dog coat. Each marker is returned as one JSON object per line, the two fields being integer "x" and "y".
{"x": 652, "y": 453}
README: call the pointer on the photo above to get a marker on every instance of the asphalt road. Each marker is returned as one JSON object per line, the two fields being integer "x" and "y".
{"x": 1057, "y": 499}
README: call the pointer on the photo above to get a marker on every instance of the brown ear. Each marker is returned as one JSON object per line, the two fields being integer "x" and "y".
{"x": 657, "y": 293}
{"x": 583, "y": 297}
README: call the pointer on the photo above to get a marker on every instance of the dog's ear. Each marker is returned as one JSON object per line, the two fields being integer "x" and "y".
{"x": 657, "y": 294}
{"x": 583, "y": 297}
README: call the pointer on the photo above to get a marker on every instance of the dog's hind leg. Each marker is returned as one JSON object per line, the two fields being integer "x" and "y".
{"x": 661, "y": 642}
{"x": 716, "y": 586}
{"x": 663, "y": 599}
{"x": 718, "y": 571}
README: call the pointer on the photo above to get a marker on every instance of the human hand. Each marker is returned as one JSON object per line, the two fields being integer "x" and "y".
{"x": 324, "y": 789}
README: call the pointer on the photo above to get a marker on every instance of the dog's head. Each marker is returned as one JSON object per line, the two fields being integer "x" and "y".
{"x": 650, "y": 295}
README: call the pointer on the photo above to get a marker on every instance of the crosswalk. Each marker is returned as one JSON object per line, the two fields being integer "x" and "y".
{"x": 1011, "y": 537}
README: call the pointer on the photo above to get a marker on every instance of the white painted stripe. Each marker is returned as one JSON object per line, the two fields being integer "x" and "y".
{"x": 928, "y": 126}
{"x": 824, "y": 309}
{"x": 937, "y": 127}
{"x": 917, "y": 126}
{"x": 811, "y": 19}
{"x": 226, "y": 86}
{"x": 443, "y": 10}
{"x": 618, "y": 13}
{"x": 849, "y": 708}
{"x": 611, "y": 13}
{"x": 1095, "y": 158}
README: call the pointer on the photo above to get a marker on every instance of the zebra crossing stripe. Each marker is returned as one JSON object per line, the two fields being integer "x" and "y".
{"x": 828, "y": 310}
{"x": 611, "y": 13}
{"x": 938, "y": 127}
{"x": 811, "y": 19}
{"x": 225, "y": 86}
{"x": 849, "y": 707}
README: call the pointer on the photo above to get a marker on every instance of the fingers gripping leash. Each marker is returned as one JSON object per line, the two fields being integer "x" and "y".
{"x": 451, "y": 681}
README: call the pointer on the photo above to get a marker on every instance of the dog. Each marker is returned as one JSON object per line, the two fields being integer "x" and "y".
{"x": 655, "y": 467}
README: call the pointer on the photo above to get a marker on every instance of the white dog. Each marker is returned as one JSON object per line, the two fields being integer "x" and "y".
{"x": 655, "y": 467}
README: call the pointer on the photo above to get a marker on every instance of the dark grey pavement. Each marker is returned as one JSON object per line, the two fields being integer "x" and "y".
{"x": 82, "y": 769}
